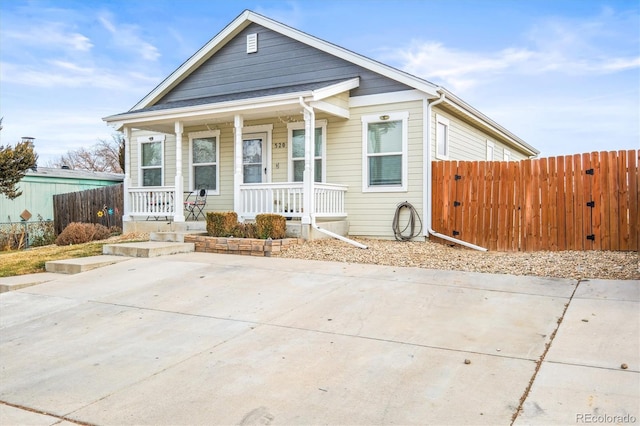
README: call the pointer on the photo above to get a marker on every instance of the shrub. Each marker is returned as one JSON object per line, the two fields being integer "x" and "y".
{"x": 245, "y": 230}
{"x": 221, "y": 224}
{"x": 42, "y": 234}
{"x": 272, "y": 226}
{"x": 78, "y": 233}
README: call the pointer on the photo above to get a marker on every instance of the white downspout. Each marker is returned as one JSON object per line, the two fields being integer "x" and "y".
{"x": 310, "y": 131}
{"x": 427, "y": 173}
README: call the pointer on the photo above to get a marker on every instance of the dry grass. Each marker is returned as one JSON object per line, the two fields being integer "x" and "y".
{"x": 20, "y": 262}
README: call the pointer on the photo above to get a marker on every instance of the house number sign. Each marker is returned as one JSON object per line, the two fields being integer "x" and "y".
{"x": 279, "y": 145}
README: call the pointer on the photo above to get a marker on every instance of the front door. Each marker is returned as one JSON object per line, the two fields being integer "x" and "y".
{"x": 254, "y": 158}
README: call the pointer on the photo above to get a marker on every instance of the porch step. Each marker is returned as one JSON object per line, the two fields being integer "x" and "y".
{"x": 173, "y": 236}
{"x": 81, "y": 264}
{"x": 147, "y": 249}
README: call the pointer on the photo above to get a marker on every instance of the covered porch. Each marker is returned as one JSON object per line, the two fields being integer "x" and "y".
{"x": 302, "y": 198}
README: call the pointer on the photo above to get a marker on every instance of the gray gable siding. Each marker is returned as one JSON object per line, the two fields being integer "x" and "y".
{"x": 280, "y": 61}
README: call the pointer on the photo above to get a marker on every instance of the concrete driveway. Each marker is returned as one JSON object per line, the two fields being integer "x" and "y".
{"x": 220, "y": 339}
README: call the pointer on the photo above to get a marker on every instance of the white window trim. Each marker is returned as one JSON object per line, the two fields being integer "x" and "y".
{"x": 198, "y": 135}
{"x": 323, "y": 155}
{"x": 442, "y": 120}
{"x": 382, "y": 118}
{"x": 491, "y": 149}
{"x": 150, "y": 139}
{"x": 506, "y": 155}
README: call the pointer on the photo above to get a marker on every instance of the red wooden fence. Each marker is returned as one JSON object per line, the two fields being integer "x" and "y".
{"x": 577, "y": 202}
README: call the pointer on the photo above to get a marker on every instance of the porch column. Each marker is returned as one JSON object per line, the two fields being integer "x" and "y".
{"x": 177, "y": 196}
{"x": 237, "y": 175}
{"x": 126, "y": 184}
{"x": 308, "y": 176}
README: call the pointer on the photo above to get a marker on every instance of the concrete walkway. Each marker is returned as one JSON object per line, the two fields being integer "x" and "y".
{"x": 218, "y": 339}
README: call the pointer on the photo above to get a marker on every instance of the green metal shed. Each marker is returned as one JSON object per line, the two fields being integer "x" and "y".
{"x": 40, "y": 185}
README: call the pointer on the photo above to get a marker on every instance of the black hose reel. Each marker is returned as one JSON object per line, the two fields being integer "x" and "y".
{"x": 398, "y": 233}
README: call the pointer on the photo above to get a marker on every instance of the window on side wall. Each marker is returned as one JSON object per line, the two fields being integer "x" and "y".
{"x": 151, "y": 155}
{"x": 442, "y": 137}
{"x": 385, "y": 152}
{"x": 296, "y": 151}
{"x": 204, "y": 156}
{"x": 506, "y": 155}
{"x": 490, "y": 149}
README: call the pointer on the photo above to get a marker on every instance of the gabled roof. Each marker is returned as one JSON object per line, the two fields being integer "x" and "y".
{"x": 147, "y": 108}
{"x": 245, "y": 19}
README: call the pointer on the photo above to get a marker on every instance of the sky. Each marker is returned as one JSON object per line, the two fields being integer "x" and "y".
{"x": 562, "y": 75}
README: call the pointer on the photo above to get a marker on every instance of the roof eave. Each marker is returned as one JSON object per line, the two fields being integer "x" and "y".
{"x": 236, "y": 106}
{"x": 452, "y": 99}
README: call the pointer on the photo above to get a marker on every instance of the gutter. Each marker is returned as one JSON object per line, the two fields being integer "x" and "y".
{"x": 310, "y": 176}
{"x": 427, "y": 201}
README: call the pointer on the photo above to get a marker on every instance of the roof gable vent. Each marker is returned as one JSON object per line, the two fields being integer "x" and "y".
{"x": 252, "y": 43}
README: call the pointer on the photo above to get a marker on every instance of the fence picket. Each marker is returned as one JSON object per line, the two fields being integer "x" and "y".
{"x": 542, "y": 204}
{"x": 633, "y": 172}
{"x": 83, "y": 206}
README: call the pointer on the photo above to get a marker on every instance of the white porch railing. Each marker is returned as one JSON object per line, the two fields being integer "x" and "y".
{"x": 152, "y": 201}
{"x": 284, "y": 198}
{"x": 287, "y": 199}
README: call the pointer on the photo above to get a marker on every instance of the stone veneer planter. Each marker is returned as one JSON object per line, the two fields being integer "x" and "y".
{"x": 243, "y": 246}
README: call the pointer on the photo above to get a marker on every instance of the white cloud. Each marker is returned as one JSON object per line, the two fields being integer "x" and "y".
{"x": 57, "y": 73}
{"x": 49, "y": 35}
{"x": 569, "y": 48}
{"x": 126, "y": 36}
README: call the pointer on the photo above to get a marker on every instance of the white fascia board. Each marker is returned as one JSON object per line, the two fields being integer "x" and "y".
{"x": 335, "y": 89}
{"x": 345, "y": 54}
{"x": 207, "y": 109}
{"x": 330, "y": 108}
{"x": 462, "y": 106}
{"x": 387, "y": 98}
{"x": 196, "y": 60}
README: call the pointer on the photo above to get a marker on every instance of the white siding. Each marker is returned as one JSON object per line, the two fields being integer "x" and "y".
{"x": 371, "y": 214}
{"x": 467, "y": 142}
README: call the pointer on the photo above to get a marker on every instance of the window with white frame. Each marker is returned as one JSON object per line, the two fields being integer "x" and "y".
{"x": 442, "y": 137}
{"x": 204, "y": 155}
{"x": 506, "y": 155}
{"x": 151, "y": 158}
{"x": 490, "y": 149}
{"x": 385, "y": 152}
{"x": 297, "y": 148}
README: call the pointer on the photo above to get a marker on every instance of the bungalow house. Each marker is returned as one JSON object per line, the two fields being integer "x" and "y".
{"x": 269, "y": 119}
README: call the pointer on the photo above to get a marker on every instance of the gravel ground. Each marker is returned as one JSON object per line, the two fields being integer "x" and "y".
{"x": 564, "y": 264}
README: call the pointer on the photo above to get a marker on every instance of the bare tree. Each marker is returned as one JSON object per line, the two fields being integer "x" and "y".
{"x": 105, "y": 156}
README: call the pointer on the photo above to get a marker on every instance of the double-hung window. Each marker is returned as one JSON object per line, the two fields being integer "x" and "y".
{"x": 385, "y": 152}
{"x": 442, "y": 137}
{"x": 204, "y": 155}
{"x": 297, "y": 149}
{"x": 151, "y": 156}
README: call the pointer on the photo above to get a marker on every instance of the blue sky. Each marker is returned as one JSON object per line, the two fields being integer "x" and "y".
{"x": 562, "y": 75}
